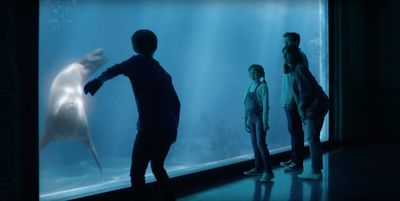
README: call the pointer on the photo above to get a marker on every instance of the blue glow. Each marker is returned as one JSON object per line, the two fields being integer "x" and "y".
{"x": 206, "y": 46}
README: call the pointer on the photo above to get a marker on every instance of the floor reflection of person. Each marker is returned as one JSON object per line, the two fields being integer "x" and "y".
{"x": 158, "y": 107}
{"x": 258, "y": 194}
{"x": 296, "y": 188}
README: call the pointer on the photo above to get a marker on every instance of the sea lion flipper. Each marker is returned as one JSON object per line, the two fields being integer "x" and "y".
{"x": 90, "y": 145}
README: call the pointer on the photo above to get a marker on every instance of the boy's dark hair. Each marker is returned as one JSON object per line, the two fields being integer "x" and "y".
{"x": 292, "y": 35}
{"x": 144, "y": 42}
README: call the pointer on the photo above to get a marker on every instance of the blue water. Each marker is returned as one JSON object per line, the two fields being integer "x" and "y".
{"x": 206, "y": 46}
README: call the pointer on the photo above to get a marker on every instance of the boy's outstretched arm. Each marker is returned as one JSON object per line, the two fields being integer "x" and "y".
{"x": 93, "y": 86}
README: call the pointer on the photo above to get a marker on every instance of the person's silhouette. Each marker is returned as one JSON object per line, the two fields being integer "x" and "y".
{"x": 295, "y": 164}
{"x": 158, "y": 107}
{"x": 312, "y": 106}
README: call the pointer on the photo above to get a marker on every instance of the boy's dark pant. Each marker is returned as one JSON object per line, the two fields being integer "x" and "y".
{"x": 148, "y": 148}
{"x": 296, "y": 135}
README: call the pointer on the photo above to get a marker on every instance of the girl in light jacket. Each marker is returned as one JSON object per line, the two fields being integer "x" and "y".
{"x": 256, "y": 122}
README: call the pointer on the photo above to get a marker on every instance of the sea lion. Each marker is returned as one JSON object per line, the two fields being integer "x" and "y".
{"x": 66, "y": 118}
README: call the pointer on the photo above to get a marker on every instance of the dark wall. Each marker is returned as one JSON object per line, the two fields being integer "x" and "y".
{"x": 366, "y": 69}
{"x": 18, "y": 100}
{"x": 364, "y": 83}
{"x": 387, "y": 70}
{"x": 9, "y": 105}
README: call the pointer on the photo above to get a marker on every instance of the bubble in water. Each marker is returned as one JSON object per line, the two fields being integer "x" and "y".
{"x": 61, "y": 11}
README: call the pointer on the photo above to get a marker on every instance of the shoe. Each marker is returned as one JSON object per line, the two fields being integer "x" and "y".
{"x": 252, "y": 172}
{"x": 310, "y": 176}
{"x": 285, "y": 163}
{"x": 267, "y": 177}
{"x": 293, "y": 167}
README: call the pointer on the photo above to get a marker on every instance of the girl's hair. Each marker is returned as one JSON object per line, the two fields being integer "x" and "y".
{"x": 259, "y": 70}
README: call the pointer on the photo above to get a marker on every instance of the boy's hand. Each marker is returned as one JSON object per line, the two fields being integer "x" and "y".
{"x": 92, "y": 86}
{"x": 247, "y": 127}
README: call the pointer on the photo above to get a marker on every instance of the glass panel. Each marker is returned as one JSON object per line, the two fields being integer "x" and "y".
{"x": 206, "y": 46}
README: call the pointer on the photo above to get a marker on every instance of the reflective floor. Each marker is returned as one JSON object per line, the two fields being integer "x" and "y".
{"x": 361, "y": 172}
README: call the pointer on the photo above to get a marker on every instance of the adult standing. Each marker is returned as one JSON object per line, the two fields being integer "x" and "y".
{"x": 295, "y": 164}
{"x": 312, "y": 106}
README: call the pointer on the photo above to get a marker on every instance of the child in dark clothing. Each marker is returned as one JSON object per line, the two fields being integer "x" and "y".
{"x": 158, "y": 107}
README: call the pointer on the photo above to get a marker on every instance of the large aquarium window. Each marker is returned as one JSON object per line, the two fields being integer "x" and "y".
{"x": 206, "y": 46}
